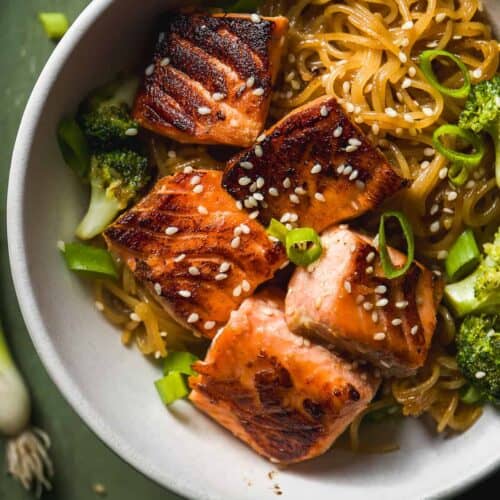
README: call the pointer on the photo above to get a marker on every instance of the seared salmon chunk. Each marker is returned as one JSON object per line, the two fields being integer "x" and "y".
{"x": 210, "y": 78}
{"x": 190, "y": 244}
{"x": 313, "y": 168}
{"x": 286, "y": 398}
{"x": 345, "y": 298}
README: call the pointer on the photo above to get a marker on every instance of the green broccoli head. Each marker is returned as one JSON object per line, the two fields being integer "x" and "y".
{"x": 480, "y": 291}
{"x": 116, "y": 178}
{"x": 478, "y": 354}
{"x": 482, "y": 113}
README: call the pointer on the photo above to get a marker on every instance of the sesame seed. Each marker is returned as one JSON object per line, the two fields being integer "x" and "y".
{"x": 250, "y": 82}
{"x": 258, "y": 91}
{"x": 427, "y": 111}
{"x": 382, "y": 302}
{"x": 319, "y": 197}
{"x": 408, "y": 117}
{"x": 391, "y": 112}
{"x": 300, "y": 191}
{"x": 340, "y": 168}
{"x": 258, "y": 151}
{"x": 202, "y": 210}
{"x": 347, "y": 170}
{"x": 375, "y": 316}
{"x": 287, "y": 183}
{"x": 380, "y": 289}
{"x": 260, "y": 182}
{"x": 99, "y": 306}
{"x": 434, "y": 209}
{"x": 323, "y": 111}
{"x": 184, "y": 293}
{"x": 316, "y": 169}
{"x": 157, "y": 288}
{"x": 452, "y": 196}
{"x": 285, "y": 217}
{"x": 253, "y": 187}
{"x": 351, "y": 149}
{"x": 157, "y": 355}
{"x": 414, "y": 330}
{"x": 247, "y": 165}
{"x": 429, "y": 152}
{"x": 131, "y": 132}
{"x": 470, "y": 184}
{"x": 376, "y": 128}
{"x": 180, "y": 257}
{"x": 188, "y": 170}
{"x": 195, "y": 180}
{"x": 218, "y": 96}
{"x": 349, "y": 107}
{"x": 261, "y": 138}
{"x": 354, "y": 175}
{"x": 294, "y": 198}
{"x": 273, "y": 191}
{"x": 245, "y": 285}
{"x": 359, "y": 299}
{"x": 408, "y": 25}
{"x": 193, "y": 271}
{"x": 220, "y": 277}
{"x": 193, "y": 318}
{"x": 171, "y": 230}
{"x": 480, "y": 374}
{"x": 135, "y": 317}
{"x": 255, "y": 18}
{"x": 406, "y": 83}
{"x": 425, "y": 164}
{"x": 367, "y": 306}
{"x": 338, "y": 132}
{"x": 293, "y": 217}
{"x": 401, "y": 304}
{"x": 149, "y": 70}
{"x": 403, "y": 57}
{"x": 258, "y": 196}
{"x": 225, "y": 266}
{"x": 477, "y": 73}
{"x": 244, "y": 181}
{"x": 237, "y": 291}
{"x": 254, "y": 214}
{"x": 412, "y": 71}
{"x": 204, "y": 110}
{"x": 434, "y": 227}
{"x": 198, "y": 189}
{"x": 235, "y": 242}
{"x": 379, "y": 336}
{"x": 396, "y": 322}
{"x": 360, "y": 185}
{"x": 440, "y": 17}
{"x": 347, "y": 286}
{"x": 165, "y": 61}
{"x": 209, "y": 325}
{"x": 370, "y": 257}
{"x": 354, "y": 142}
{"x": 346, "y": 86}
{"x": 432, "y": 44}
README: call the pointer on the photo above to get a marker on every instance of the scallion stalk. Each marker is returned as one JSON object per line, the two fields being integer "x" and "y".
{"x": 463, "y": 256}
{"x": 88, "y": 259}
{"x": 55, "y": 24}
{"x": 27, "y": 457}
{"x": 277, "y": 230}
{"x": 179, "y": 361}
{"x": 303, "y": 246}
{"x": 171, "y": 387}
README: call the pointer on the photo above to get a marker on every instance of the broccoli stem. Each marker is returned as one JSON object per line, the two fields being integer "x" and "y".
{"x": 101, "y": 212}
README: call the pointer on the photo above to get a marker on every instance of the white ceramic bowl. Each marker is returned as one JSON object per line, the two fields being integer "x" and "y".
{"x": 112, "y": 387}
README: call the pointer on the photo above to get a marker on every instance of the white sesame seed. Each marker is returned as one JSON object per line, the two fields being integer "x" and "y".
{"x": 338, "y": 132}
{"x": 258, "y": 91}
{"x": 408, "y": 25}
{"x": 258, "y": 196}
{"x": 375, "y": 316}
{"x": 218, "y": 96}
{"x": 452, "y": 196}
{"x": 171, "y": 230}
{"x": 255, "y": 18}
{"x": 294, "y": 198}
{"x": 347, "y": 170}
{"x": 401, "y": 304}
{"x": 427, "y": 111}
{"x": 193, "y": 271}
{"x": 245, "y": 285}
{"x": 99, "y": 305}
{"x": 470, "y": 184}
{"x": 250, "y": 82}
{"x": 193, "y": 318}
{"x": 396, "y": 322}
{"x": 443, "y": 173}
{"x": 412, "y": 71}
{"x": 425, "y": 164}
{"x": 440, "y": 17}
{"x": 149, "y": 70}
{"x": 382, "y": 302}
{"x": 202, "y": 210}
{"x": 157, "y": 288}
{"x": 429, "y": 152}
{"x": 196, "y": 179}
{"x": 340, "y": 168}
{"x": 354, "y": 141}
{"x": 209, "y": 325}
{"x": 351, "y": 149}
{"x": 367, "y": 306}
{"x": 287, "y": 183}
{"x": 220, "y": 277}
{"x": 354, "y": 175}
{"x": 198, "y": 189}
{"x": 131, "y": 132}
{"x": 403, "y": 57}
{"x": 237, "y": 291}
{"x": 432, "y": 44}
{"x": 323, "y": 111}
{"x": 406, "y": 83}
{"x": 391, "y": 112}
{"x": 370, "y": 257}
{"x": 247, "y": 165}
{"x": 258, "y": 151}
{"x": 204, "y": 110}
{"x": 180, "y": 257}
{"x": 480, "y": 374}
{"x": 347, "y": 286}
{"x": 346, "y": 86}
{"x": 300, "y": 191}
{"x": 349, "y": 107}
{"x": 380, "y": 289}
{"x": 165, "y": 61}
{"x": 316, "y": 169}
{"x": 434, "y": 227}
{"x": 379, "y": 336}
{"x": 414, "y": 330}
{"x": 273, "y": 191}
{"x": 260, "y": 182}
{"x": 319, "y": 197}
{"x": 235, "y": 242}
{"x": 477, "y": 73}
{"x": 225, "y": 266}
{"x": 188, "y": 170}
{"x": 254, "y": 214}
{"x": 135, "y": 317}
{"x": 434, "y": 209}
{"x": 184, "y": 293}
{"x": 237, "y": 231}
{"x": 408, "y": 117}
{"x": 244, "y": 181}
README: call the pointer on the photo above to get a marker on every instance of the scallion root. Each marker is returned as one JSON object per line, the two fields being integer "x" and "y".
{"x": 28, "y": 460}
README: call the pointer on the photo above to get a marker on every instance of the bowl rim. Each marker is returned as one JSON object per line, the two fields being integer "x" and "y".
{"x": 27, "y": 302}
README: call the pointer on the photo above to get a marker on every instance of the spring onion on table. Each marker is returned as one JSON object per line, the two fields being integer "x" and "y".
{"x": 55, "y": 24}
{"x": 27, "y": 457}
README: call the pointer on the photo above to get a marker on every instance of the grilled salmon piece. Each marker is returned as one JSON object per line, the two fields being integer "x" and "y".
{"x": 285, "y": 397}
{"x": 346, "y": 299}
{"x": 211, "y": 77}
{"x": 190, "y": 244}
{"x": 313, "y": 168}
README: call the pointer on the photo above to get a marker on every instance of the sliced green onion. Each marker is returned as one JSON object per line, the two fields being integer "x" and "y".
{"x": 426, "y": 58}
{"x": 470, "y": 395}
{"x": 468, "y": 160}
{"x": 390, "y": 270}
{"x": 179, "y": 361}
{"x": 171, "y": 387}
{"x": 463, "y": 256}
{"x": 458, "y": 174}
{"x": 73, "y": 146}
{"x": 303, "y": 246}
{"x": 88, "y": 259}
{"x": 277, "y": 230}
{"x": 55, "y": 24}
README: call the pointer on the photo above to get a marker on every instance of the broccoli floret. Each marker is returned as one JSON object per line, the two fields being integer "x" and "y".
{"x": 482, "y": 114}
{"x": 116, "y": 178}
{"x": 105, "y": 115}
{"x": 478, "y": 354}
{"x": 480, "y": 291}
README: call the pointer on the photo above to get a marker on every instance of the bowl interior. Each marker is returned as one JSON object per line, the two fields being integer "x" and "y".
{"x": 112, "y": 387}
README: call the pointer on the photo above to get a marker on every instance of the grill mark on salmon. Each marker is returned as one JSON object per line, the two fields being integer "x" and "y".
{"x": 314, "y": 163}
{"x": 168, "y": 224}
{"x": 347, "y": 300}
{"x": 287, "y": 399}
{"x": 199, "y": 55}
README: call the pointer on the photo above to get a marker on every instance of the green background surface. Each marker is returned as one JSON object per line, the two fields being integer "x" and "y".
{"x": 80, "y": 458}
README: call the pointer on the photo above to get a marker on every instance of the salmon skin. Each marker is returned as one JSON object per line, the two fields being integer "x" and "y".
{"x": 313, "y": 168}
{"x": 345, "y": 298}
{"x": 196, "y": 251}
{"x": 211, "y": 77}
{"x": 286, "y": 398}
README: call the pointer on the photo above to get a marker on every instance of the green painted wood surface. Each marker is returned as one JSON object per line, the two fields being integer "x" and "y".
{"x": 81, "y": 460}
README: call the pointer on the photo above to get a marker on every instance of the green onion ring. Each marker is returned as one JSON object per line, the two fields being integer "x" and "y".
{"x": 277, "y": 230}
{"x": 303, "y": 246}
